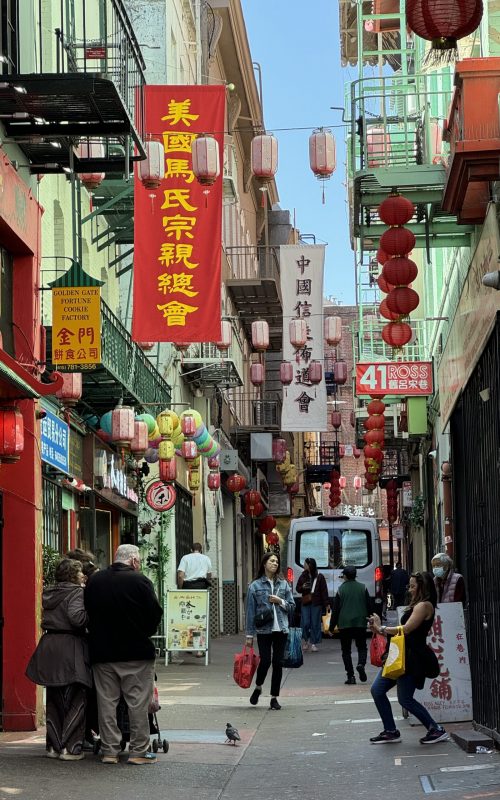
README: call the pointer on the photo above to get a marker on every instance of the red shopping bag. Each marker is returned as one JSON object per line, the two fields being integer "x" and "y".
{"x": 245, "y": 665}
{"x": 378, "y": 646}
{"x": 154, "y": 705}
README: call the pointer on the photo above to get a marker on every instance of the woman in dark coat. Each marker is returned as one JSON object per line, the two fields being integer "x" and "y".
{"x": 61, "y": 662}
{"x": 312, "y": 586}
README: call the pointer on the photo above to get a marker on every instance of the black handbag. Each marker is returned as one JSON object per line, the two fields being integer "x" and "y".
{"x": 263, "y": 617}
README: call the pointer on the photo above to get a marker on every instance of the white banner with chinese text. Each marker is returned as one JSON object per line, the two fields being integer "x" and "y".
{"x": 304, "y": 404}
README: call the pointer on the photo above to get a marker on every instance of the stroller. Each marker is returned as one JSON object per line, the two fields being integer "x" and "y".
{"x": 123, "y": 722}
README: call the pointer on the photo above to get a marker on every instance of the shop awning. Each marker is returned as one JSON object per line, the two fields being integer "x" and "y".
{"x": 17, "y": 384}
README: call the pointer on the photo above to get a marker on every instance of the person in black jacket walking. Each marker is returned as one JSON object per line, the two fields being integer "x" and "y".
{"x": 351, "y": 609}
{"x": 123, "y": 614}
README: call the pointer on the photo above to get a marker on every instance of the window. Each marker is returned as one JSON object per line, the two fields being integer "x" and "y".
{"x": 335, "y": 548}
{"x": 52, "y": 514}
{"x": 9, "y": 37}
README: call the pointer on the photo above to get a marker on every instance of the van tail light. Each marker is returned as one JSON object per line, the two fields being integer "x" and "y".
{"x": 289, "y": 575}
{"x": 379, "y": 575}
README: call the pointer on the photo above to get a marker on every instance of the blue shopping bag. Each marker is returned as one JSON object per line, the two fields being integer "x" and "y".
{"x": 293, "y": 657}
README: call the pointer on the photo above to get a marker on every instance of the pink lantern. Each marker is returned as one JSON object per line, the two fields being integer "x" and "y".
{"x": 226, "y": 335}
{"x": 206, "y": 159}
{"x": 340, "y": 372}
{"x": 357, "y": 483}
{"x": 322, "y": 156}
{"x": 213, "y": 462}
{"x": 71, "y": 390}
{"x": 342, "y": 481}
{"x": 264, "y": 156}
{"x": 298, "y": 332}
{"x": 168, "y": 470}
{"x": 336, "y": 419}
{"x": 378, "y": 146}
{"x": 260, "y": 335}
{"x": 152, "y": 168}
{"x": 257, "y": 374}
{"x": 188, "y": 425}
{"x": 332, "y": 330}
{"x": 189, "y": 449}
{"x": 140, "y": 442}
{"x": 213, "y": 481}
{"x": 122, "y": 426}
{"x": 279, "y": 450}
{"x": 286, "y": 373}
{"x": 341, "y": 450}
{"x": 88, "y": 150}
{"x": 315, "y": 371}
{"x": 146, "y": 345}
{"x": 356, "y": 452}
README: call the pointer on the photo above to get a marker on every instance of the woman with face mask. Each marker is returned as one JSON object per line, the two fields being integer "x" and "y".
{"x": 450, "y": 585}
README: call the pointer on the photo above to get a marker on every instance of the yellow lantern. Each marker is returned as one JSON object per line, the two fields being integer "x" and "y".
{"x": 165, "y": 423}
{"x": 166, "y": 449}
{"x": 194, "y": 479}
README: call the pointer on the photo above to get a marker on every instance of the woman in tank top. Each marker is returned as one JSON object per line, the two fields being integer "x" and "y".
{"x": 417, "y": 621}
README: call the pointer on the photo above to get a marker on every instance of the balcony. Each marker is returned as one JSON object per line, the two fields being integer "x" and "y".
{"x": 319, "y": 460}
{"x": 396, "y": 436}
{"x": 368, "y": 344}
{"x": 125, "y": 371}
{"x": 473, "y": 134}
{"x": 88, "y": 83}
{"x": 205, "y": 366}
{"x": 254, "y": 285}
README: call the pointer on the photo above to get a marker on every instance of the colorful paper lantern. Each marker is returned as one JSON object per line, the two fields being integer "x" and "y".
{"x": 122, "y": 426}
{"x": 139, "y": 443}
{"x": 205, "y": 159}
{"x": 71, "y": 390}
{"x": 168, "y": 470}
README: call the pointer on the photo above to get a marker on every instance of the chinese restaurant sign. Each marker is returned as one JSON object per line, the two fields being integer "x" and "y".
{"x": 54, "y": 441}
{"x": 405, "y": 378}
{"x": 187, "y": 619}
{"x": 178, "y": 227}
{"x": 304, "y": 404}
{"x": 76, "y": 327}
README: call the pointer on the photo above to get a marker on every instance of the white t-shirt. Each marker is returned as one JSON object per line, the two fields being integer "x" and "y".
{"x": 194, "y": 566}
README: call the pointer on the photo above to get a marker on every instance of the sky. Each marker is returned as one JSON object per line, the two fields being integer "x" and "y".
{"x": 298, "y": 48}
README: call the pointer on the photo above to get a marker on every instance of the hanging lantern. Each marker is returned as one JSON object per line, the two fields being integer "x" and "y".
{"x": 375, "y": 436}
{"x": 378, "y": 147}
{"x": 226, "y": 338}
{"x": 264, "y": 156}
{"x": 340, "y": 372}
{"x": 341, "y": 450}
{"x": 396, "y": 210}
{"x": 356, "y": 452}
{"x": 279, "y": 450}
{"x": 252, "y": 498}
{"x": 166, "y": 423}
{"x": 397, "y": 241}
{"x": 257, "y": 374}
{"x": 402, "y": 300}
{"x": 375, "y": 407}
{"x": 206, "y": 159}
{"x": 381, "y": 256}
{"x": 383, "y": 285}
{"x": 213, "y": 481}
{"x": 213, "y": 462}
{"x": 122, "y": 426}
{"x": 336, "y": 419}
{"x": 259, "y": 509}
{"x": 286, "y": 373}
{"x": 188, "y": 425}
{"x": 88, "y": 150}
{"x": 396, "y": 334}
{"x": 236, "y": 483}
{"x": 166, "y": 449}
{"x": 11, "y": 434}
{"x": 193, "y": 479}
{"x": 152, "y": 168}
{"x": 146, "y": 345}
{"x": 71, "y": 390}
{"x": 332, "y": 327}
{"x": 272, "y": 538}
{"x": 374, "y": 423}
{"x": 189, "y": 451}
{"x": 342, "y": 481}
{"x": 442, "y": 22}
{"x": 386, "y": 313}
{"x": 357, "y": 483}
{"x": 322, "y": 155}
{"x": 267, "y": 524}
{"x": 139, "y": 443}
{"x": 298, "y": 332}
{"x": 260, "y": 335}
{"x": 168, "y": 470}
{"x": 315, "y": 372}
{"x": 293, "y": 488}
{"x": 374, "y": 453}
{"x": 400, "y": 271}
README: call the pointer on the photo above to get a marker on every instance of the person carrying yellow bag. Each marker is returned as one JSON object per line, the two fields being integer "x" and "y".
{"x": 408, "y": 663}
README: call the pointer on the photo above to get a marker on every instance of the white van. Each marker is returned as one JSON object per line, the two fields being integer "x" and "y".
{"x": 335, "y": 543}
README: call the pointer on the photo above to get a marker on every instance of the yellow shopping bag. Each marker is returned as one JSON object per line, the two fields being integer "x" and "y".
{"x": 394, "y": 665}
{"x": 325, "y": 620}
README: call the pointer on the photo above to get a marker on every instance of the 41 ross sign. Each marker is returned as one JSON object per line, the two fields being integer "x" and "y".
{"x": 404, "y": 378}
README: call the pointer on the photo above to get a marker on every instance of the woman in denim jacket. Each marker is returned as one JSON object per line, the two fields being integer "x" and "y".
{"x": 271, "y": 592}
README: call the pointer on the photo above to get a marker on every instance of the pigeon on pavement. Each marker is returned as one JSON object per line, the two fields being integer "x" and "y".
{"x": 232, "y": 734}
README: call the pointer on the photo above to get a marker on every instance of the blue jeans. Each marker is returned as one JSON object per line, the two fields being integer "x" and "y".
{"x": 310, "y": 622}
{"x": 406, "y": 689}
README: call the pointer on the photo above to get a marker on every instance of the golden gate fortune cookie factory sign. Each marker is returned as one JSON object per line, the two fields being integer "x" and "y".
{"x": 76, "y": 321}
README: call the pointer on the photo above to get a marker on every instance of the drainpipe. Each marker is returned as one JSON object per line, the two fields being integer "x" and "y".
{"x": 449, "y": 537}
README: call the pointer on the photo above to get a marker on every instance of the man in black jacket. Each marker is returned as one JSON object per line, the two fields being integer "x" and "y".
{"x": 123, "y": 613}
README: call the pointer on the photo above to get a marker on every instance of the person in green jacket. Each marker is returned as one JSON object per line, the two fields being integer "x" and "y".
{"x": 351, "y": 608}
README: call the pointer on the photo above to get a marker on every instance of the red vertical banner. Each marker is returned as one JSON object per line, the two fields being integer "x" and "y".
{"x": 178, "y": 226}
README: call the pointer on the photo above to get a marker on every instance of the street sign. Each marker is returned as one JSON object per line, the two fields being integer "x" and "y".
{"x": 402, "y": 378}
{"x": 160, "y": 496}
{"x": 54, "y": 441}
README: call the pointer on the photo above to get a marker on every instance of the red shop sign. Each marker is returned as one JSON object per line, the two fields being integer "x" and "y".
{"x": 404, "y": 378}
{"x": 160, "y": 496}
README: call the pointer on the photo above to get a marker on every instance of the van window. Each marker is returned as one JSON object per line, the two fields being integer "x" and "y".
{"x": 334, "y": 549}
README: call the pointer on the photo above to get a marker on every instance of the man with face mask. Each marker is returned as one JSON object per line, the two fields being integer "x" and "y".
{"x": 450, "y": 585}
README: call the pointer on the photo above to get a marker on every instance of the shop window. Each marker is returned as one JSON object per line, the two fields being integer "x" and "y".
{"x": 128, "y": 529}
{"x": 102, "y": 547}
{"x": 52, "y": 508}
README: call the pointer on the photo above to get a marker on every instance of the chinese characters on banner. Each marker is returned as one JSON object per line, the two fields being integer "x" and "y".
{"x": 178, "y": 227}
{"x": 448, "y": 698}
{"x": 76, "y": 328}
{"x": 304, "y": 404}
{"x": 406, "y": 378}
{"x": 187, "y": 620}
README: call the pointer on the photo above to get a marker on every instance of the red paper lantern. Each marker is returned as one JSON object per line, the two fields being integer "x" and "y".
{"x": 264, "y": 156}
{"x": 122, "y": 426}
{"x": 385, "y": 311}
{"x": 152, "y": 168}
{"x": 213, "y": 481}
{"x": 267, "y": 524}
{"x": 322, "y": 156}
{"x": 71, "y": 390}
{"x": 251, "y": 499}
{"x": 340, "y": 372}
{"x": 272, "y": 538}
{"x": 374, "y": 453}
{"x": 356, "y": 452}
{"x": 258, "y": 510}
{"x": 396, "y": 210}
{"x": 357, "y": 483}
{"x": 375, "y": 407}
{"x": 89, "y": 150}
{"x": 257, "y": 374}
{"x": 336, "y": 419}
{"x": 442, "y": 22}
{"x": 298, "y": 332}
{"x": 383, "y": 285}
{"x": 381, "y": 256}
{"x": 226, "y": 336}
{"x": 260, "y": 335}
{"x": 402, "y": 300}
{"x": 279, "y": 450}
{"x": 400, "y": 271}
{"x": 140, "y": 442}
{"x": 11, "y": 434}
{"x": 189, "y": 450}
{"x": 188, "y": 425}
{"x": 205, "y": 159}
{"x": 213, "y": 462}
{"x": 375, "y": 436}
{"x": 342, "y": 481}
{"x": 374, "y": 422}
{"x": 397, "y": 241}
{"x": 315, "y": 372}
{"x": 168, "y": 470}
{"x": 332, "y": 329}
{"x": 236, "y": 483}
{"x": 396, "y": 334}
{"x": 286, "y": 373}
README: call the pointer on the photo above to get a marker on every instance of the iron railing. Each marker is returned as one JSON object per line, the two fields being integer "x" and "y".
{"x": 368, "y": 344}
{"x": 254, "y": 261}
{"x": 266, "y": 413}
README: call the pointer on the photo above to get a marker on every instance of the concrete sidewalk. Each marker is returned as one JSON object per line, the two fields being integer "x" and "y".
{"x": 315, "y": 748}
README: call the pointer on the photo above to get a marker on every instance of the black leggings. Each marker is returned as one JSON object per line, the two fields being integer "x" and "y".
{"x": 271, "y": 650}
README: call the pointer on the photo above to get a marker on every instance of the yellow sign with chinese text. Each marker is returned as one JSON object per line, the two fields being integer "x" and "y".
{"x": 76, "y": 328}
{"x": 187, "y": 619}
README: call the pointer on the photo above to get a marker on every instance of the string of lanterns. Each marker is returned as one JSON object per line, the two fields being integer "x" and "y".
{"x": 374, "y": 442}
